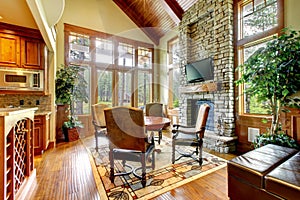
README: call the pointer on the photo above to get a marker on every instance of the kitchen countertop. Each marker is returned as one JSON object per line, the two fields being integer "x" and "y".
{"x": 18, "y": 110}
{"x": 42, "y": 113}
{"x": 15, "y": 111}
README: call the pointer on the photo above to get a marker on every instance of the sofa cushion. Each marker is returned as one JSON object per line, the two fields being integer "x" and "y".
{"x": 285, "y": 179}
{"x": 254, "y": 165}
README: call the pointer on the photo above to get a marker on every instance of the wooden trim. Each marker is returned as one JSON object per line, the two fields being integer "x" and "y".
{"x": 203, "y": 87}
{"x": 273, "y": 31}
{"x": 174, "y": 10}
{"x": 92, "y": 33}
{"x": 280, "y": 13}
{"x": 51, "y": 145}
{"x": 20, "y": 31}
{"x": 175, "y": 7}
{"x": 295, "y": 127}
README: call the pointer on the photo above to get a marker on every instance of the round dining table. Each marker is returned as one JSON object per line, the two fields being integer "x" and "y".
{"x": 154, "y": 123}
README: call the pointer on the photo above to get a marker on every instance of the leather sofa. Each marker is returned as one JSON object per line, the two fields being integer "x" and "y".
{"x": 268, "y": 172}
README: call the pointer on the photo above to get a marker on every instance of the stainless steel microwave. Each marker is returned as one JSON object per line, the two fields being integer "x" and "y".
{"x": 21, "y": 79}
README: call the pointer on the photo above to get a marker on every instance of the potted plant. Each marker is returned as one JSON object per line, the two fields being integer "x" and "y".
{"x": 71, "y": 88}
{"x": 272, "y": 73}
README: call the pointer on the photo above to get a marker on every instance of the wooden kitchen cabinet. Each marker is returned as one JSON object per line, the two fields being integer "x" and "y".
{"x": 41, "y": 133}
{"x": 21, "y": 52}
{"x": 21, "y": 47}
{"x": 10, "y": 50}
{"x": 32, "y": 53}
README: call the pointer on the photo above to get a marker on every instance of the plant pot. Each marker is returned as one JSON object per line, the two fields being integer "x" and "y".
{"x": 71, "y": 134}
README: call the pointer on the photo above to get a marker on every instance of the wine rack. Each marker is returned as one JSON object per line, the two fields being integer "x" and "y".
{"x": 19, "y": 156}
{"x": 10, "y": 165}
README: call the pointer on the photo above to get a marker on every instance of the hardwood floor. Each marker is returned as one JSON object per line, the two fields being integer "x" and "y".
{"x": 211, "y": 186}
{"x": 65, "y": 173}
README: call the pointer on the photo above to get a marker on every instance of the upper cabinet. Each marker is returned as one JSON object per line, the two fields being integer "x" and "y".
{"x": 24, "y": 52}
{"x": 9, "y": 50}
{"x": 32, "y": 53}
{"x": 21, "y": 47}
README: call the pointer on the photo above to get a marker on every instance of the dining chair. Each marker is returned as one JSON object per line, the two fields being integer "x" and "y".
{"x": 157, "y": 110}
{"x": 99, "y": 121}
{"x": 128, "y": 141}
{"x": 190, "y": 136}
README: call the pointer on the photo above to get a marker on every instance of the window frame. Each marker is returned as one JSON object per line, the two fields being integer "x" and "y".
{"x": 240, "y": 44}
{"x": 114, "y": 66}
{"x": 171, "y": 67}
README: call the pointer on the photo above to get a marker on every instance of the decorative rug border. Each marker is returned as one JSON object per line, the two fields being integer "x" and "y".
{"x": 103, "y": 195}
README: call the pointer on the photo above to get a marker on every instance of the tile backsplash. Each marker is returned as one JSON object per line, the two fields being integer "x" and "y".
{"x": 15, "y": 100}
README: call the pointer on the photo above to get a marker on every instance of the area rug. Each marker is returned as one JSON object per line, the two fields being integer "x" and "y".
{"x": 164, "y": 177}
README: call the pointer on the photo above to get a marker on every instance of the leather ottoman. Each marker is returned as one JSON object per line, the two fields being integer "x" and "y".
{"x": 284, "y": 180}
{"x": 246, "y": 172}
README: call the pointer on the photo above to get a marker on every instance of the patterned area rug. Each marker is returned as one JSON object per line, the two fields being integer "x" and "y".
{"x": 163, "y": 178}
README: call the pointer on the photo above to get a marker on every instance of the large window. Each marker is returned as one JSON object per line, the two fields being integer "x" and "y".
{"x": 257, "y": 22}
{"x": 104, "y": 85}
{"x": 144, "y": 76}
{"x": 173, "y": 72}
{"x": 104, "y": 51}
{"x": 119, "y": 70}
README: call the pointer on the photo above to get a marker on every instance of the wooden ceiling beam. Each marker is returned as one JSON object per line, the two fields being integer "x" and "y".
{"x": 138, "y": 20}
{"x": 173, "y": 9}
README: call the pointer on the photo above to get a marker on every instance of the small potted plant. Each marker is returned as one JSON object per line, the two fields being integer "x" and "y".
{"x": 71, "y": 87}
{"x": 272, "y": 73}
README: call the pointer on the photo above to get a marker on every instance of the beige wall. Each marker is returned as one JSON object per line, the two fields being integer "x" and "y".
{"x": 16, "y": 12}
{"x": 163, "y": 67}
{"x": 292, "y": 14}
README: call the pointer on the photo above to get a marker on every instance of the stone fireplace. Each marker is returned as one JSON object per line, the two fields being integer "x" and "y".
{"x": 206, "y": 30}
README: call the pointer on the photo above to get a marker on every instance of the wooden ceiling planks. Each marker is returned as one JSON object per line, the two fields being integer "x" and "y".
{"x": 155, "y": 17}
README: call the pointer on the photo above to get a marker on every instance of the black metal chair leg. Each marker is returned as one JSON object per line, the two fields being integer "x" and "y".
{"x": 200, "y": 151}
{"x": 143, "y": 171}
{"x": 153, "y": 160}
{"x": 159, "y": 136}
{"x": 173, "y": 151}
{"x": 96, "y": 139}
{"x": 111, "y": 160}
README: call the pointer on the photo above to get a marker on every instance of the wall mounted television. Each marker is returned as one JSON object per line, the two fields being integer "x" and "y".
{"x": 200, "y": 71}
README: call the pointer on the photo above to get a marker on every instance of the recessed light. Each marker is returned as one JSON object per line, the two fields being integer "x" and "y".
{"x": 1, "y": 17}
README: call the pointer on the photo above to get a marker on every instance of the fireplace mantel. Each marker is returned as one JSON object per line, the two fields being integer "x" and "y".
{"x": 203, "y": 87}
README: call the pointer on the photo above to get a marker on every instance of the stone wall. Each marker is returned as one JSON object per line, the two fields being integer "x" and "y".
{"x": 206, "y": 30}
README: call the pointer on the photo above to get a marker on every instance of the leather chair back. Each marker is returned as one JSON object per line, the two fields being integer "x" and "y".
{"x": 202, "y": 118}
{"x": 155, "y": 109}
{"x": 126, "y": 128}
{"x": 98, "y": 114}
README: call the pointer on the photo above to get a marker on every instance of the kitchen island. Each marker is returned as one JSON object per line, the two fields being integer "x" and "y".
{"x": 17, "y": 171}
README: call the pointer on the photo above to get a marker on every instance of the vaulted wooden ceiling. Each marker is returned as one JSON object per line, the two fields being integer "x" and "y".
{"x": 155, "y": 17}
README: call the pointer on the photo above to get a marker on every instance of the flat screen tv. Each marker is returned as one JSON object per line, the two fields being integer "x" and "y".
{"x": 200, "y": 71}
